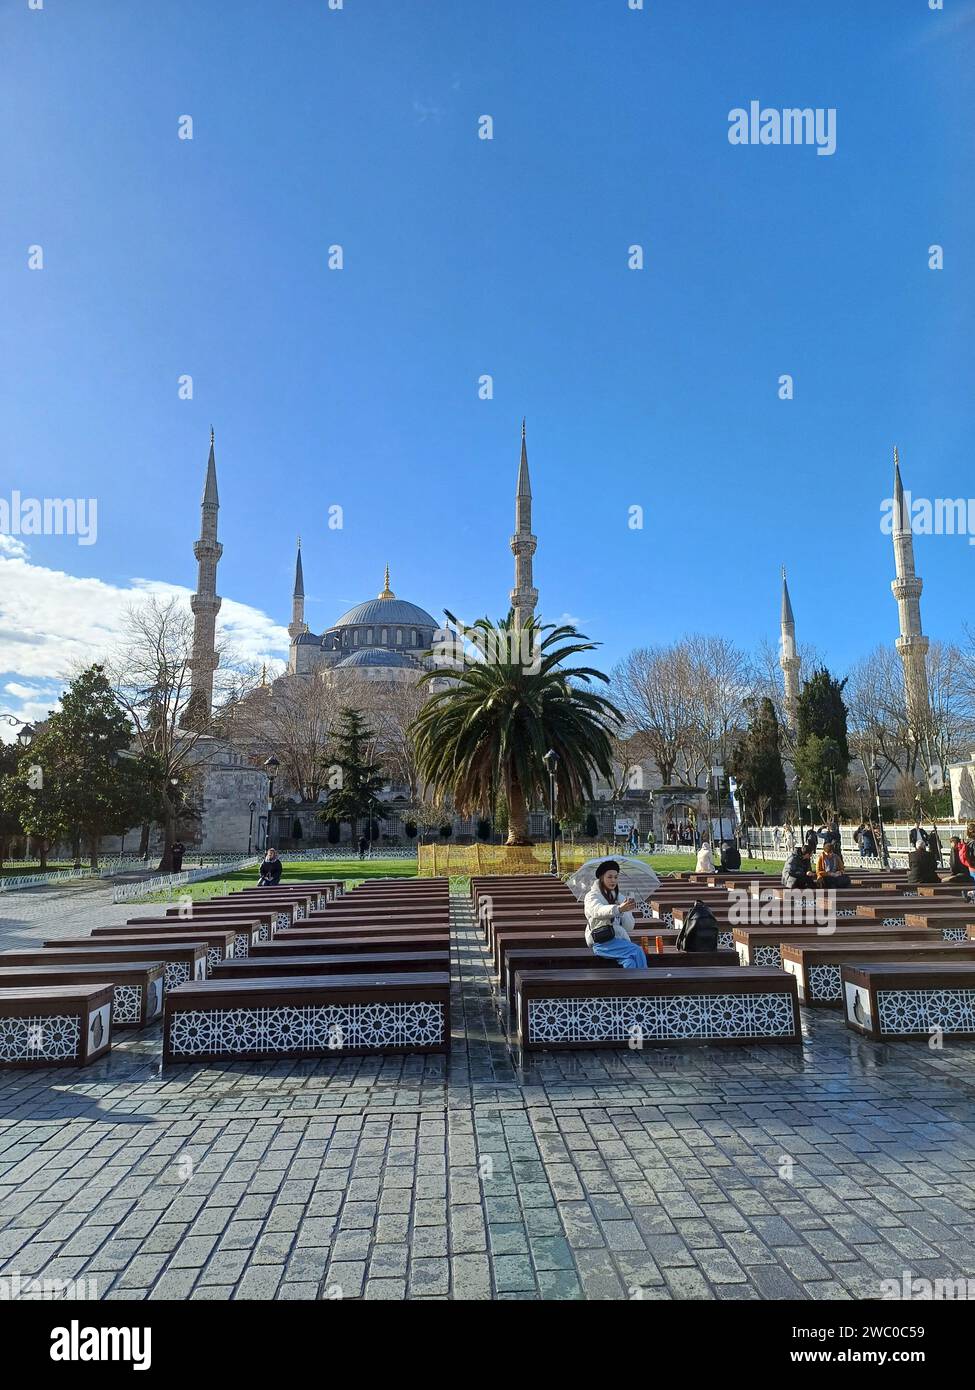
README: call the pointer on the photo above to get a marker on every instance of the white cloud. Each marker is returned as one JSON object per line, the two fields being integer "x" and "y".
{"x": 10, "y": 545}
{"x": 50, "y": 621}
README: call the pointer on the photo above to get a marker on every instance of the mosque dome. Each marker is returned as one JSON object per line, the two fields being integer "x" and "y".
{"x": 377, "y": 656}
{"x": 386, "y": 611}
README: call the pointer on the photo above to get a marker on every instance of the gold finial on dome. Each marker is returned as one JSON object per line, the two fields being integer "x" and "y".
{"x": 387, "y": 591}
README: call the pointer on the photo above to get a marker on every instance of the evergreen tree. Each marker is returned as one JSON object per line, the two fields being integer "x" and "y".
{"x": 822, "y": 752}
{"x": 756, "y": 761}
{"x": 87, "y": 785}
{"x": 356, "y": 799}
{"x": 820, "y": 710}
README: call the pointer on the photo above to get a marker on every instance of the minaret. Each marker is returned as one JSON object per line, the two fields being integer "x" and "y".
{"x": 524, "y": 595}
{"x": 205, "y": 603}
{"x": 912, "y": 645}
{"x": 298, "y": 626}
{"x": 788, "y": 656}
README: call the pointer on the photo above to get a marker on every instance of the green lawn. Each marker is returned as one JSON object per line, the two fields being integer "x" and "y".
{"x": 357, "y": 870}
{"x": 352, "y": 870}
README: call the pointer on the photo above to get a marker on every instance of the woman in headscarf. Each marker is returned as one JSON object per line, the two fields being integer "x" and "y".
{"x": 607, "y": 917}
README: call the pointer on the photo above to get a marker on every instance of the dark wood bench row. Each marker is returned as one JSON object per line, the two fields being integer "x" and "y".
{"x": 55, "y": 1025}
{"x": 307, "y": 1016}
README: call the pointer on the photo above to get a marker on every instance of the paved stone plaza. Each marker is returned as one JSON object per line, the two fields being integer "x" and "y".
{"x": 733, "y": 1173}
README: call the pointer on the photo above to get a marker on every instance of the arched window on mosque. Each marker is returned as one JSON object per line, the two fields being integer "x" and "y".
{"x": 413, "y": 637}
{"x": 355, "y": 638}
{"x": 399, "y": 637}
{"x": 369, "y": 638}
{"x": 345, "y": 637}
{"x": 384, "y": 638}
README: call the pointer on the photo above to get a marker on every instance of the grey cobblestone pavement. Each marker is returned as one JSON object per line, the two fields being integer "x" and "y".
{"x": 744, "y": 1173}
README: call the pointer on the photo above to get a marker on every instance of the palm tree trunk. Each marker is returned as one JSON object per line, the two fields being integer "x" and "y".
{"x": 517, "y": 814}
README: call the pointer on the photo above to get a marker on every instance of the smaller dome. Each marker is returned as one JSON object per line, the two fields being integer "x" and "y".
{"x": 377, "y": 656}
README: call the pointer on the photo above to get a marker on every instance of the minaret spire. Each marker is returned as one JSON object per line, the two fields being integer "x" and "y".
{"x": 912, "y": 645}
{"x": 524, "y": 596}
{"x": 298, "y": 626}
{"x": 387, "y": 591}
{"x": 789, "y": 658}
{"x": 205, "y": 603}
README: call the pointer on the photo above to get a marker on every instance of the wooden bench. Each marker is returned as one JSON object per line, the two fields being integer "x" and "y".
{"x": 375, "y": 929}
{"x": 301, "y": 943}
{"x": 137, "y": 985}
{"x": 307, "y": 1016}
{"x": 759, "y": 946}
{"x": 204, "y": 913}
{"x": 219, "y": 944}
{"x": 656, "y": 1008}
{"x": 55, "y": 1025}
{"x": 181, "y": 960}
{"x": 957, "y": 925}
{"x": 897, "y": 912}
{"x": 245, "y": 933}
{"x": 505, "y": 941}
{"x": 816, "y": 964}
{"x": 357, "y": 963}
{"x": 581, "y": 958}
{"x": 286, "y": 912}
{"x": 898, "y": 1000}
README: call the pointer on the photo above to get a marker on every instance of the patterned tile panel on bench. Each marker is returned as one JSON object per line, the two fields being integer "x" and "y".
{"x": 920, "y": 1010}
{"x": 55, "y": 1036}
{"x": 660, "y": 1017}
{"x": 311, "y": 1027}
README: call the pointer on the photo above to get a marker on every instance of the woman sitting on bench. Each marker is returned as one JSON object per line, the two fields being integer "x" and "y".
{"x": 270, "y": 870}
{"x": 609, "y": 921}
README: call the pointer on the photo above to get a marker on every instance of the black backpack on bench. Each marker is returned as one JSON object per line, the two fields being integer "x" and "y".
{"x": 700, "y": 929}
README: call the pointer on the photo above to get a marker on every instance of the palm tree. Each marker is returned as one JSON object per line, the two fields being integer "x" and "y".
{"x": 492, "y": 726}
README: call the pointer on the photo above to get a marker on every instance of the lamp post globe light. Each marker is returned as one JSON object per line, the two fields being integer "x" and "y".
{"x": 551, "y": 761}
{"x": 271, "y": 768}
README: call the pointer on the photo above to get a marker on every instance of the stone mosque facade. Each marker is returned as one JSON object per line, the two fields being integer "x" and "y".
{"x": 387, "y": 640}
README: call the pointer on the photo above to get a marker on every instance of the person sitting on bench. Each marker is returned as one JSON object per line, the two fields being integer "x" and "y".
{"x": 959, "y": 874}
{"x": 270, "y": 869}
{"x": 730, "y": 857}
{"x": 795, "y": 871}
{"x": 609, "y": 921}
{"x": 922, "y": 866}
{"x": 705, "y": 864}
{"x": 830, "y": 869}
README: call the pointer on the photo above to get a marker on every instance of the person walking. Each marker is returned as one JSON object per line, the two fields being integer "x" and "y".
{"x": 179, "y": 849}
{"x": 610, "y": 921}
{"x": 363, "y": 846}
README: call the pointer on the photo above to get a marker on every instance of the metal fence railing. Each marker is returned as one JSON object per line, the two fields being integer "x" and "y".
{"x": 163, "y": 883}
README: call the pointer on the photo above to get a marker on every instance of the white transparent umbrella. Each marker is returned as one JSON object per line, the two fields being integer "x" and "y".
{"x": 637, "y": 879}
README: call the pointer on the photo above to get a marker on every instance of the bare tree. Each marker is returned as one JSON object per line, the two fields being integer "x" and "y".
{"x": 295, "y": 719}
{"x": 654, "y": 689}
{"x": 150, "y": 673}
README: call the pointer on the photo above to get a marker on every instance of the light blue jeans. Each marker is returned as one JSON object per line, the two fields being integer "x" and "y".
{"x": 626, "y": 953}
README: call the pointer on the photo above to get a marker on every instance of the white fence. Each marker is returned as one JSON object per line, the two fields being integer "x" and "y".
{"x": 164, "y": 883}
{"x": 18, "y": 881}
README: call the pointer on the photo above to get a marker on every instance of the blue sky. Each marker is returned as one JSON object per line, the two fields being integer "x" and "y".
{"x": 465, "y": 256}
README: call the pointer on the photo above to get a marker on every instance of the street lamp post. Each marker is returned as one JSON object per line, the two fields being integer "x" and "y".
{"x": 717, "y": 773}
{"x": 271, "y": 768}
{"x": 250, "y": 826}
{"x": 799, "y": 809}
{"x": 884, "y": 855}
{"x": 551, "y": 761}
